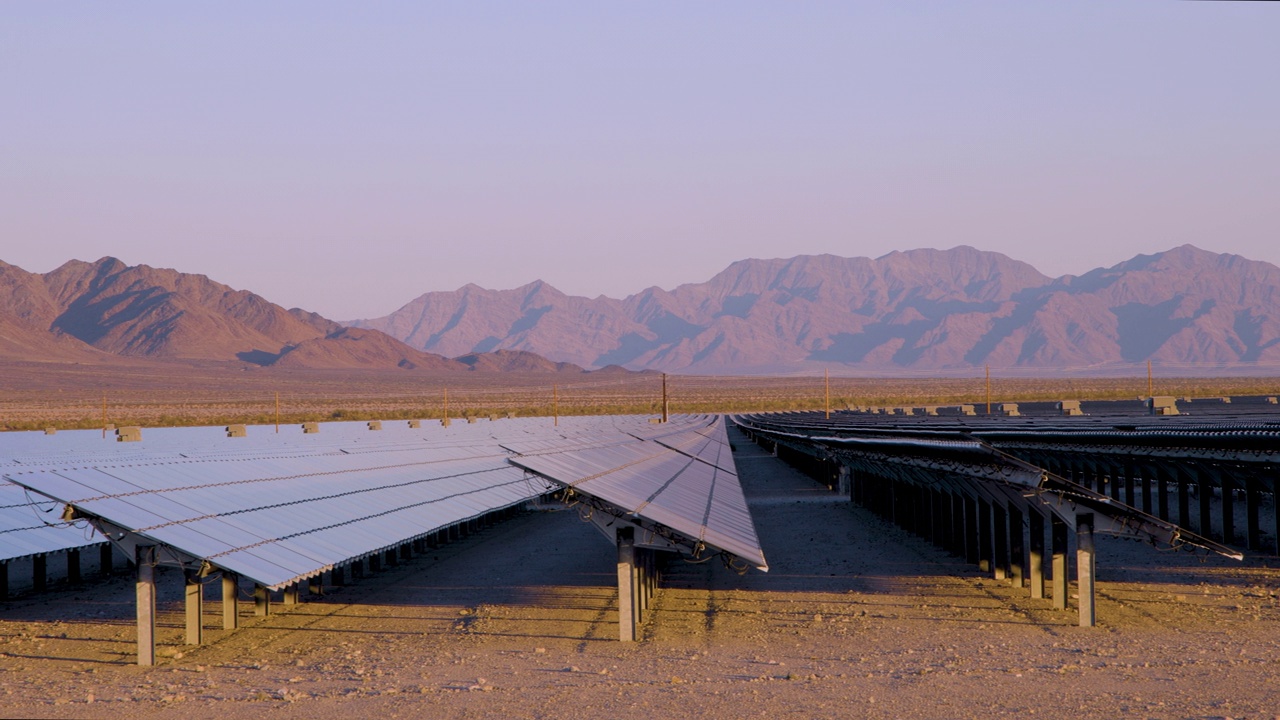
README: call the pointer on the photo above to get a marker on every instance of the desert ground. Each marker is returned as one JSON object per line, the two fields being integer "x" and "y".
{"x": 34, "y": 396}
{"x": 854, "y": 619}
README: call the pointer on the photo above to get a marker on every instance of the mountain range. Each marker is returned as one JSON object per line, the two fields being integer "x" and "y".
{"x": 107, "y": 311}
{"x": 919, "y": 310}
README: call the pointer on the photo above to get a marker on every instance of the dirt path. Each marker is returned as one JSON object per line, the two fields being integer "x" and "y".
{"x": 855, "y": 619}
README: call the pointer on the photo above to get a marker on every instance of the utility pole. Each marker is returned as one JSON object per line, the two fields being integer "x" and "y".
{"x": 664, "y": 397}
{"x": 988, "y": 389}
{"x": 555, "y": 403}
{"x": 446, "y": 407}
{"x": 277, "y": 413}
{"x": 826, "y": 377}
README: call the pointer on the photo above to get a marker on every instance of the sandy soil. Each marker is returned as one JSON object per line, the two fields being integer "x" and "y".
{"x": 855, "y": 619}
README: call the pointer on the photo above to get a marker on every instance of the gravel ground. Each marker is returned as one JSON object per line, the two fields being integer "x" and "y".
{"x": 855, "y": 619}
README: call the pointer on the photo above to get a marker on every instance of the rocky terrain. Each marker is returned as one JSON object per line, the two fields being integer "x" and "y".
{"x": 921, "y": 310}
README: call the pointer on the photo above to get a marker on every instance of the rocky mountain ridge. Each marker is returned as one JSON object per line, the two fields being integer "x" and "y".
{"x": 919, "y": 310}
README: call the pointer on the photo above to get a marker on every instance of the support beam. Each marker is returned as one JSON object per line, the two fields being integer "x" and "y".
{"x": 972, "y": 555}
{"x": 1183, "y": 480}
{"x": 1058, "y": 541}
{"x": 1036, "y": 530}
{"x": 1162, "y": 491}
{"x": 1228, "y": 507}
{"x": 1086, "y": 567}
{"x": 315, "y": 585}
{"x": 626, "y": 585}
{"x": 230, "y": 598}
{"x": 291, "y": 595}
{"x": 195, "y": 611}
{"x": 1204, "y": 489}
{"x": 261, "y": 601}
{"x": 145, "y": 559}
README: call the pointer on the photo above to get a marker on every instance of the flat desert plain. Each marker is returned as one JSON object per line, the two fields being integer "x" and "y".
{"x": 855, "y": 618}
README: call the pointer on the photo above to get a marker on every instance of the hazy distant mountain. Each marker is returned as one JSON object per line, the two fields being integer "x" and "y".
{"x": 922, "y": 309}
{"x": 106, "y": 310}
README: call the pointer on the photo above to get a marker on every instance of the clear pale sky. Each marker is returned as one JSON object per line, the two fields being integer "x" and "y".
{"x": 347, "y": 157}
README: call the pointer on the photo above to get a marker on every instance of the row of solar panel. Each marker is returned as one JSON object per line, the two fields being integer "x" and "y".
{"x": 283, "y": 508}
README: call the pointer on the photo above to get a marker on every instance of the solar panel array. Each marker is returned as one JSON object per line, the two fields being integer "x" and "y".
{"x": 683, "y": 480}
{"x": 279, "y": 509}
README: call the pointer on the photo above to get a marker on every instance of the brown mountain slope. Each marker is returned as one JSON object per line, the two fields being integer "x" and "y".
{"x": 922, "y": 310}
{"x": 515, "y": 361}
{"x": 353, "y": 348}
{"x": 144, "y": 311}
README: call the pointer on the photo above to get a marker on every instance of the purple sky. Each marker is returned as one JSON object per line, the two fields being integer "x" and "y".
{"x": 348, "y": 157}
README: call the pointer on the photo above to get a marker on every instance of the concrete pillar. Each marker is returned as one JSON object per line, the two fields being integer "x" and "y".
{"x": 195, "y": 611}
{"x": 1058, "y": 546}
{"x": 1085, "y": 568}
{"x": 1036, "y": 531}
{"x": 145, "y": 557}
{"x": 261, "y": 601}
{"x": 106, "y": 558}
{"x": 626, "y": 581}
{"x": 1000, "y": 541}
{"x": 39, "y": 572}
{"x": 1017, "y": 549}
{"x": 230, "y": 598}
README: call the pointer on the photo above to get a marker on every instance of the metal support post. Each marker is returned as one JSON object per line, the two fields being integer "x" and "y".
{"x": 336, "y": 577}
{"x": 1162, "y": 491}
{"x": 1252, "y": 499}
{"x": 1204, "y": 489}
{"x": 1085, "y": 568}
{"x": 291, "y": 595}
{"x": 971, "y": 535}
{"x": 1129, "y": 480}
{"x": 626, "y": 581}
{"x": 315, "y": 585}
{"x": 4, "y": 581}
{"x": 1228, "y": 507}
{"x": 1058, "y": 546}
{"x": 1017, "y": 548}
{"x": 1183, "y": 481}
{"x": 1036, "y": 529}
{"x": 39, "y": 572}
{"x": 73, "y": 566}
{"x": 195, "y": 611}
{"x": 845, "y": 485}
{"x": 1000, "y": 520}
{"x": 145, "y": 558}
{"x": 984, "y": 535}
{"x": 230, "y": 600}
{"x": 261, "y": 601}
{"x": 106, "y": 558}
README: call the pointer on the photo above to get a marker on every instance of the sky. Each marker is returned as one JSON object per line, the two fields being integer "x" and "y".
{"x": 348, "y": 157}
